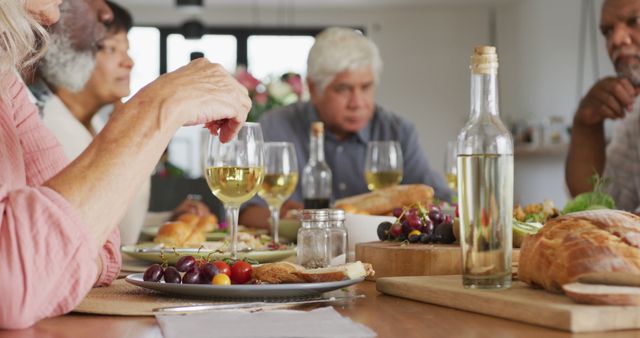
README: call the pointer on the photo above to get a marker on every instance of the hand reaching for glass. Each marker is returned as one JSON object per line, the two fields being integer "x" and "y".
{"x": 199, "y": 93}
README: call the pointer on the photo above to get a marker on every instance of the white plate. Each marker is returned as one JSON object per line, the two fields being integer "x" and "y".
{"x": 242, "y": 291}
{"x": 150, "y": 252}
{"x": 152, "y": 231}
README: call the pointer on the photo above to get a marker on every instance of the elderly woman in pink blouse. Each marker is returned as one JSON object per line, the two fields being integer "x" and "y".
{"x": 58, "y": 234}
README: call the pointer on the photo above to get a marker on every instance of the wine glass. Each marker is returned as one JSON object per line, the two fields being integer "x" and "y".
{"x": 450, "y": 166}
{"x": 234, "y": 172}
{"x": 383, "y": 166}
{"x": 280, "y": 179}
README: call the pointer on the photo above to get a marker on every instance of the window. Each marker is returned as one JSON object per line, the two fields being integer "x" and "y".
{"x": 270, "y": 55}
{"x": 144, "y": 49}
{"x": 220, "y": 49}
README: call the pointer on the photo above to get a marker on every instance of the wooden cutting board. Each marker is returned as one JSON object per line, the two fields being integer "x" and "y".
{"x": 391, "y": 259}
{"x": 520, "y": 303}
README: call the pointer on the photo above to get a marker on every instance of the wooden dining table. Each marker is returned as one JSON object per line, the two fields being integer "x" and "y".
{"x": 388, "y": 316}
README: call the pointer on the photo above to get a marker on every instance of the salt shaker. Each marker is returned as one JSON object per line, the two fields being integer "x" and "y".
{"x": 338, "y": 237}
{"x": 314, "y": 239}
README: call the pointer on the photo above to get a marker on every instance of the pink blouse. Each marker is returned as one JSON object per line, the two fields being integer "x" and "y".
{"x": 47, "y": 258}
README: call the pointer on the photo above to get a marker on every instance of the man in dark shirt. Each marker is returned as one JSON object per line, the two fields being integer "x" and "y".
{"x": 343, "y": 69}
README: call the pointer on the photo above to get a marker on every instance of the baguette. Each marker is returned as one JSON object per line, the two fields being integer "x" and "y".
{"x": 383, "y": 201}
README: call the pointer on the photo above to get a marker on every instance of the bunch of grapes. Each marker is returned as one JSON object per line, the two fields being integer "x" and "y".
{"x": 189, "y": 270}
{"x": 418, "y": 224}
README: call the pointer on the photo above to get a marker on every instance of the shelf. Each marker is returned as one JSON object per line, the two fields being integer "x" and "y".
{"x": 547, "y": 150}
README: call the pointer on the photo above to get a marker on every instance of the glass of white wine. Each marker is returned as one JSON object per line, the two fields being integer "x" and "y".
{"x": 280, "y": 179}
{"x": 451, "y": 167}
{"x": 383, "y": 166}
{"x": 234, "y": 172}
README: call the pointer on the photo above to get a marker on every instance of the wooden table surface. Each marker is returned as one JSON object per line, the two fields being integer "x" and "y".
{"x": 388, "y": 316}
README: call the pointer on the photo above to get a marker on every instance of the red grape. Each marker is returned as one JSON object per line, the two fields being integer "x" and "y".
{"x": 191, "y": 277}
{"x": 171, "y": 275}
{"x": 185, "y": 263}
{"x": 207, "y": 272}
{"x": 153, "y": 273}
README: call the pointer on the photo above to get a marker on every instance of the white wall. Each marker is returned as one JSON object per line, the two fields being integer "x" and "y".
{"x": 538, "y": 43}
{"x": 425, "y": 50}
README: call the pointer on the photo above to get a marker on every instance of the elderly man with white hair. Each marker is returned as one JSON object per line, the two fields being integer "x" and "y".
{"x": 343, "y": 69}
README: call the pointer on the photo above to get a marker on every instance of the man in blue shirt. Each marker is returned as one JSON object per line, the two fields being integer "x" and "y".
{"x": 343, "y": 68}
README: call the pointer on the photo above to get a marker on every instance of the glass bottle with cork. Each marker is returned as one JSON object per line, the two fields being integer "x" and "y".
{"x": 485, "y": 181}
{"x": 316, "y": 175}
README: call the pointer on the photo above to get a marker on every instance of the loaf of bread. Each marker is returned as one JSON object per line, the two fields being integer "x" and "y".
{"x": 285, "y": 272}
{"x": 598, "y": 246}
{"x": 179, "y": 235}
{"x": 383, "y": 201}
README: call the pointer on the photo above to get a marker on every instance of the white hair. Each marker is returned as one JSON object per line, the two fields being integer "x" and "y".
{"x": 22, "y": 39}
{"x": 63, "y": 65}
{"x": 338, "y": 49}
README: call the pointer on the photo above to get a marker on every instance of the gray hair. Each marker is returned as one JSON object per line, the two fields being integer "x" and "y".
{"x": 63, "y": 65}
{"x": 22, "y": 39}
{"x": 338, "y": 49}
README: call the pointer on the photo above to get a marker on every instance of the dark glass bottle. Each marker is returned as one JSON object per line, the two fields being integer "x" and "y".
{"x": 316, "y": 175}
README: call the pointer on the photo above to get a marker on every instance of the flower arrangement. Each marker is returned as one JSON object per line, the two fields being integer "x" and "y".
{"x": 276, "y": 92}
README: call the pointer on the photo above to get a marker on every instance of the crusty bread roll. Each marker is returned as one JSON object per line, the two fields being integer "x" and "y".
{"x": 206, "y": 223}
{"x": 383, "y": 201}
{"x": 598, "y": 246}
{"x": 179, "y": 235}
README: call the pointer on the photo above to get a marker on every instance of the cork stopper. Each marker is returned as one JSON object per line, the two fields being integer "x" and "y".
{"x": 484, "y": 60}
{"x": 317, "y": 128}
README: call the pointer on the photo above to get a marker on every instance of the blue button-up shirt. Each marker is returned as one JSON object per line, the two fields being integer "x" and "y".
{"x": 346, "y": 158}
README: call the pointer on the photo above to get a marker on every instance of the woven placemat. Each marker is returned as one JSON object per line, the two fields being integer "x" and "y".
{"x": 124, "y": 299}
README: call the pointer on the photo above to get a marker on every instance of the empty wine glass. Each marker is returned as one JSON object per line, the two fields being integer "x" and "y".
{"x": 383, "y": 166}
{"x": 234, "y": 172}
{"x": 280, "y": 179}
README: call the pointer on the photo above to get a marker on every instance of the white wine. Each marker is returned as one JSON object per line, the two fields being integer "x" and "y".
{"x": 452, "y": 181}
{"x": 486, "y": 204}
{"x": 276, "y": 188}
{"x": 234, "y": 185}
{"x": 382, "y": 179}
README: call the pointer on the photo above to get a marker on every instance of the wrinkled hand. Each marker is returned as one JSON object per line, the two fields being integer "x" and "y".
{"x": 191, "y": 206}
{"x": 609, "y": 98}
{"x": 288, "y": 206}
{"x": 200, "y": 93}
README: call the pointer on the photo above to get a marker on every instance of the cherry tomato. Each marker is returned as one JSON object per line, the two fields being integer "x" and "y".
{"x": 241, "y": 272}
{"x": 221, "y": 279}
{"x": 223, "y": 268}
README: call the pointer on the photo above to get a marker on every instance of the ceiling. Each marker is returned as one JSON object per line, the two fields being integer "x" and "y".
{"x": 310, "y": 3}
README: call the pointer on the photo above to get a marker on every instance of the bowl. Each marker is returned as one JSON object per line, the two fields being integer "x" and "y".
{"x": 288, "y": 229}
{"x": 362, "y": 229}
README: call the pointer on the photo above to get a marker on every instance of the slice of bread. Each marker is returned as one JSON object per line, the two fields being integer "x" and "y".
{"x": 353, "y": 270}
{"x": 285, "y": 272}
{"x": 602, "y": 294}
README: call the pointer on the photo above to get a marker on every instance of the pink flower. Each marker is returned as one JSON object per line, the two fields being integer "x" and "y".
{"x": 246, "y": 79}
